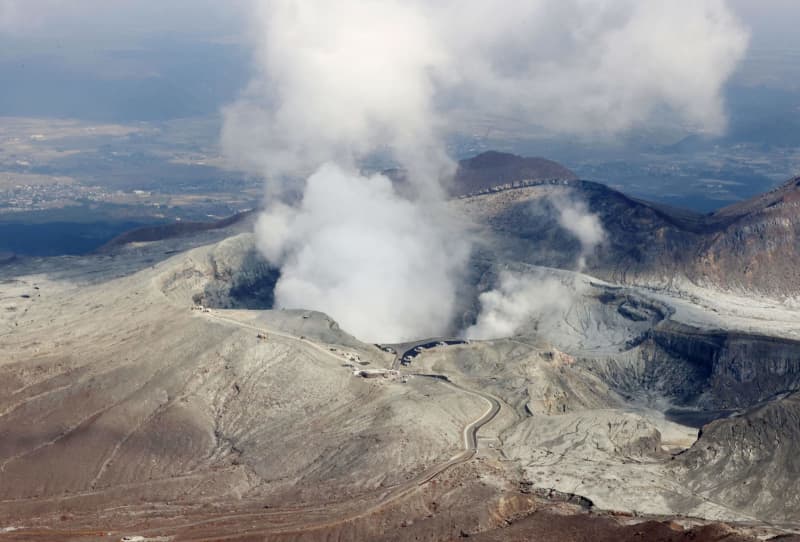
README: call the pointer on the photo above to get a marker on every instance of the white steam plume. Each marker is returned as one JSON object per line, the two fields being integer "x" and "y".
{"x": 517, "y": 300}
{"x": 336, "y": 81}
{"x": 574, "y": 216}
{"x": 380, "y": 264}
{"x": 341, "y": 79}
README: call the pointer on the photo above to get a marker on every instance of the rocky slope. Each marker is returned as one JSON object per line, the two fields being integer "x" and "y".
{"x": 118, "y": 392}
{"x": 751, "y": 247}
{"x": 709, "y": 369}
{"x": 748, "y": 247}
{"x": 750, "y": 461}
{"x": 756, "y": 245}
{"x": 168, "y": 231}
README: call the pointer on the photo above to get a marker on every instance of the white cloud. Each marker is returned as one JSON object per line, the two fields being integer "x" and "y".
{"x": 594, "y": 66}
{"x": 338, "y": 79}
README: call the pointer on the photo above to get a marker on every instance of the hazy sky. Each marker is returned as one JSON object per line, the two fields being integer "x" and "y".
{"x": 189, "y": 57}
{"x": 119, "y": 21}
{"x": 119, "y": 60}
{"x": 773, "y": 23}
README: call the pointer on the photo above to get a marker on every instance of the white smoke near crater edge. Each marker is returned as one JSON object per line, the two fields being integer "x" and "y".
{"x": 336, "y": 81}
{"x": 383, "y": 266}
{"x": 339, "y": 80}
{"x": 574, "y": 216}
{"x": 517, "y": 300}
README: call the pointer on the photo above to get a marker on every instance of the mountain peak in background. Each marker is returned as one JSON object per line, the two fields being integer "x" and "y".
{"x": 492, "y": 168}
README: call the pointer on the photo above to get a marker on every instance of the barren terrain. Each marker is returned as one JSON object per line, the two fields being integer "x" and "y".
{"x": 151, "y": 392}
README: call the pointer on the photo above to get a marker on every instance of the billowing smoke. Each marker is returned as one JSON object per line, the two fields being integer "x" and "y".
{"x": 384, "y": 266}
{"x": 520, "y": 299}
{"x": 340, "y": 80}
{"x": 337, "y": 81}
{"x": 574, "y": 216}
{"x": 517, "y": 300}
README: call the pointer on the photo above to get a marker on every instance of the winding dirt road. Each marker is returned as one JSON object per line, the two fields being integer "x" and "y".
{"x": 324, "y": 515}
{"x": 469, "y": 434}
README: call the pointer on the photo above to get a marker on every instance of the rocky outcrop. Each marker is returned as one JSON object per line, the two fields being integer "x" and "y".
{"x": 759, "y": 249}
{"x": 232, "y": 276}
{"x": 721, "y": 370}
{"x": 707, "y": 369}
{"x": 750, "y": 461}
